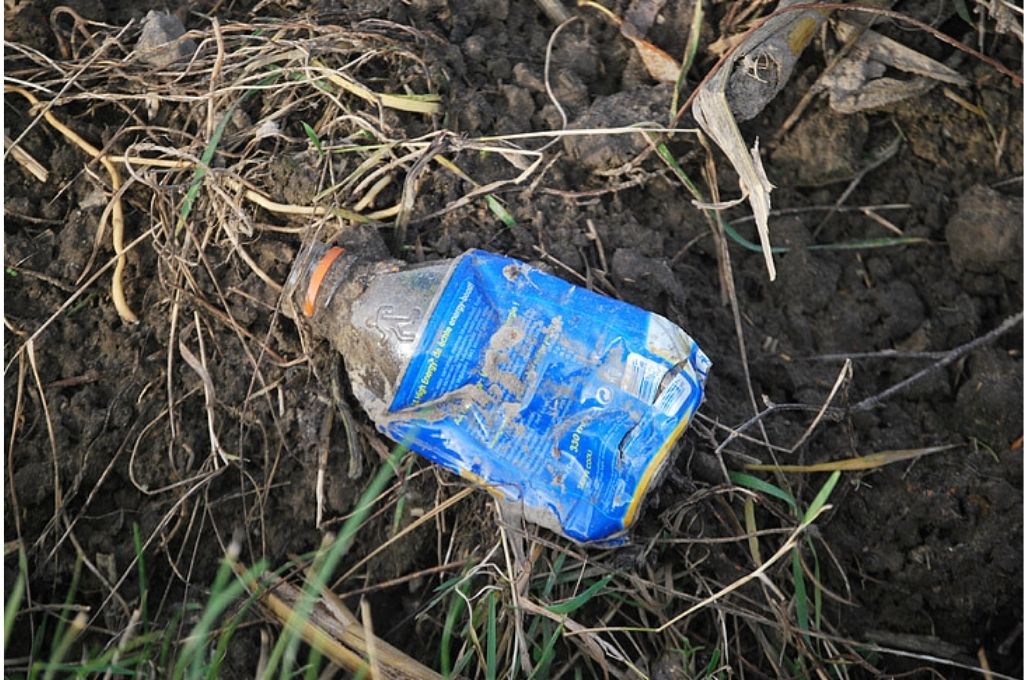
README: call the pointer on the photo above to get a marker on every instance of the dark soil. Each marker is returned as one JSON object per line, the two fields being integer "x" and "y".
{"x": 928, "y": 552}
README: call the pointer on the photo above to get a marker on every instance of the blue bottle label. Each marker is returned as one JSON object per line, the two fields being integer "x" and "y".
{"x": 548, "y": 394}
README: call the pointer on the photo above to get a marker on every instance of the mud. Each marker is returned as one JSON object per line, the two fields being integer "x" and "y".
{"x": 929, "y": 552}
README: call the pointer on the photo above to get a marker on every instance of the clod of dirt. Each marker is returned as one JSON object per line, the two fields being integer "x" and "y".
{"x": 989, "y": 402}
{"x": 26, "y": 23}
{"x": 520, "y": 107}
{"x": 984, "y": 234}
{"x": 160, "y": 44}
{"x": 296, "y": 178}
{"x": 580, "y": 55}
{"x": 527, "y": 78}
{"x": 822, "y": 148}
{"x": 642, "y": 14}
{"x": 807, "y": 282}
{"x": 900, "y": 309}
{"x": 571, "y": 91}
{"x": 644, "y": 104}
{"x": 644, "y": 272}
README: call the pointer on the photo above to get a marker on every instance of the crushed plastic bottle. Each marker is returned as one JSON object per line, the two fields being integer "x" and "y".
{"x": 556, "y": 399}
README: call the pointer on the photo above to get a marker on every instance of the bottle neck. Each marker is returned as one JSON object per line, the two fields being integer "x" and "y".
{"x": 317, "y": 272}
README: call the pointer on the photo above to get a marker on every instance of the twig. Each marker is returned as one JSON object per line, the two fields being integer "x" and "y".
{"x": 881, "y": 354}
{"x": 26, "y": 161}
{"x": 728, "y": 281}
{"x": 951, "y": 356}
{"x": 844, "y": 373}
{"x": 384, "y": 585}
{"x": 884, "y": 154}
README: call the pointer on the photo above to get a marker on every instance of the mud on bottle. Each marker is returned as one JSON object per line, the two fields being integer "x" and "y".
{"x": 562, "y": 402}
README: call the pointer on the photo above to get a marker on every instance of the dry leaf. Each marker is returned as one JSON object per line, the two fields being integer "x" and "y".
{"x": 657, "y": 61}
{"x": 857, "y": 82}
{"x": 659, "y": 64}
{"x": 744, "y": 84}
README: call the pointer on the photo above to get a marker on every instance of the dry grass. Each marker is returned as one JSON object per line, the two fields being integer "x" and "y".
{"x": 731, "y": 579}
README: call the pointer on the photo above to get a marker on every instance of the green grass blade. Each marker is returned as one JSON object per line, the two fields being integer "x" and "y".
{"x": 94, "y": 669}
{"x": 165, "y": 647}
{"x": 13, "y": 603}
{"x": 817, "y": 586}
{"x": 556, "y": 570}
{"x": 211, "y": 148}
{"x": 95, "y": 663}
{"x": 547, "y": 653}
{"x": 143, "y": 582}
{"x": 444, "y": 589}
{"x": 396, "y": 523}
{"x": 800, "y": 592}
{"x": 204, "y": 164}
{"x": 313, "y": 136}
{"x": 499, "y": 211}
{"x": 716, "y": 657}
{"x": 758, "y": 484}
{"x": 693, "y": 38}
{"x": 677, "y": 169}
{"x": 63, "y": 644}
{"x": 961, "y": 9}
{"x": 313, "y": 665}
{"x": 750, "y": 522}
{"x": 569, "y": 606}
{"x": 426, "y": 97}
{"x": 870, "y": 243}
{"x": 730, "y": 231}
{"x": 222, "y": 595}
{"x": 861, "y": 244}
{"x": 62, "y": 620}
{"x": 819, "y": 501}
{"x": 286, "y": 648}
{"x": 492, "y": 636}
{"x": 463, "y": 662}
{"x": 689, "y": 55}
{"x": 42, "y": 633}
{"x": 450, "y": 619}
{"x": 224, "y": 639}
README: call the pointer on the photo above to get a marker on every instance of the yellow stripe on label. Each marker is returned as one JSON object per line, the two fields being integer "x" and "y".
{"x": 465, "y": 473}
{"x": 652, "y": 469}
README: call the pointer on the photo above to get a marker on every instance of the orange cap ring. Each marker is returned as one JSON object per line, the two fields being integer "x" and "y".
{"x": 309, "y": 304}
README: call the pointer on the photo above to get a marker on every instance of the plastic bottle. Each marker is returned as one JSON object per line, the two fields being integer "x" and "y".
{"x": 561, "y": 401}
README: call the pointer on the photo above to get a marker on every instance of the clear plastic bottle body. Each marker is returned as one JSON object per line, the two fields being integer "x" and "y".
{"x": 371, "y": 309}
{"x": 562, "y": 402}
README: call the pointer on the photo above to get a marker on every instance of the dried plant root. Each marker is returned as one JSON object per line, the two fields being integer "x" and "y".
{"x": 116, "y": 212}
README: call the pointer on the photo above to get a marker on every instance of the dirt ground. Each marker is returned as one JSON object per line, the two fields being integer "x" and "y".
{"x": 922, "y": 557}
